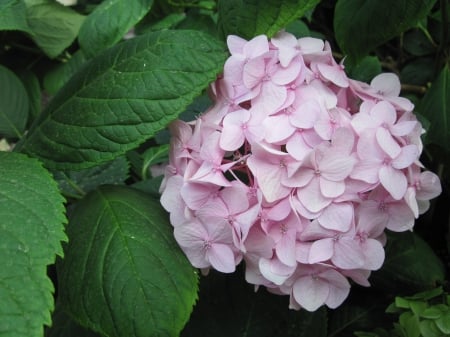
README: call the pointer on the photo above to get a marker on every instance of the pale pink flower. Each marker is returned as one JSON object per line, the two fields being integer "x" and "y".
{"x": 207, "y": 245}
{"x": 297, "y": 170}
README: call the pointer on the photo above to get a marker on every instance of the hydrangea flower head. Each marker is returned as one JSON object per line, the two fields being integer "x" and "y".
{"x": 296, "y": 171}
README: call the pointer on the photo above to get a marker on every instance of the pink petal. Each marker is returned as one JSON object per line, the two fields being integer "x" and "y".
{"x": 271, "y": 97}
{"x": 195, "y": 195}
{"x": 374, "y": 253}
{"x": 331, "y": 189}
{"x": 403, "y": 128}
{"x": 430, "y": 186}
{"x": 254, "y": 71}
{"x": 300, "y": 178}
{"x": 221, "y": 258}
{"x": 384, "y": 113}
{"x": 311, "y": 197}
{"x": 339, "y": 288}
{"x": 401, "y": 218}
{"x": 334, "y": 74}
{"x": 235, "y": 44}
{"x": 191, "y": 234}
{"x": 337, "y": 216}
{"x": 387, "y": 84}
{"x": 286, "y": 75}
{"x": 321, "y": 250}
{"x": 348, "y": 254}
{"x": 275, "y": 271}
{"x": 285, "y": 249}
{"x": 408, "y": 155}
{"x": 306, "y": 115}
{"x": 257, "y": 46}
{"x": 336, "y": 166}
{"x": 387, "y": 143}
{"x": 310, "y": 292}
{"x": 394, "y": 181}
{"x": 235, "y": 199}
{"x": 278, "y": 128}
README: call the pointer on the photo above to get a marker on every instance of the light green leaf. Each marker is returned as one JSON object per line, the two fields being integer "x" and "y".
{"x": 435, "y": 106}
{"x": 123, "y": 273}
{"x": 443, "y": 323}
{"x": 13, "y": 15}
{"x": 362, "y": 25}
{"x": 410, "y": 263}
{"x": 31, "y": 229}
{"x": 53, "y": 26}
{"x": 428, "y": 328}
{"x": 109, "y": 22}
{"x": 248, "y": 18}
{"x": 123, "y": 97}
{"x": 410, "y": 323}
{"x": 13, "y": 104}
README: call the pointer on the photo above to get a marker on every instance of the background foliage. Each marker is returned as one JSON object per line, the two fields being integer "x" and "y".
{"x": 83, "y": 112}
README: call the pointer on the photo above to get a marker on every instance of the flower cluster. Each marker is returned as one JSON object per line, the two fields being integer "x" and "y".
{"x": 297, "y": 170}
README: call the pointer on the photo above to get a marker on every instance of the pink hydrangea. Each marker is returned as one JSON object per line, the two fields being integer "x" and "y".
{"x": 296, "y": 170}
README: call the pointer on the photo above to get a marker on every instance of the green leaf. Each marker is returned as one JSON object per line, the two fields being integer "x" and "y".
{"x": 419, "y": 71}
{"x": 443, "y": 323}
{"x": 154, "y": 155}
{"x": 410, "y": 265}
{"x": 427, "y": 294}
{"x": 64, "y": 326}
{"x": 233, "y": 308}
{"x": 435, "y": 106}
{"x": 416, "y": 43}
{"x": 55, "y": 79}
{"x": 123, "y": 273}
{"x": 428, "y": 328}
{"x": 365, "y": 70}
{"x": 81, "y": 182}
{"x": 13, "y": 104}
{"x": 31, "y": 231}
{"x": 362, "y": 25}
{"x": 33, "y": 88}
{"x": 298, "y": 28}
{"x": 13, "y": 15}
{"x": 123, "y": 97}
{"x": 410, "y": 323}
{"x": 109, "y": 22}
{"x": 53, "y": 26}
{"x": 432, "y": 312}
{"x": 248, "y": 18}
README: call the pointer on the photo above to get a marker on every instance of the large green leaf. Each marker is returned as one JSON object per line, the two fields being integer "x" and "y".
{"x": 229, "y": 306}
{"x": 13, "y": 15}
{"x": 362, "y": 25}
{"x": 53, "y": 26}
{"x": 410, "y": 265}
{"x": 109, "y": 22}
{"x": 248, "y": 18}
{"x": 123, "y": 273}
{"x": 123, "y": 97}
{"x": 13, "y": 104}
{"x": 31, "y": 229}
{"x": 435, "y": 106}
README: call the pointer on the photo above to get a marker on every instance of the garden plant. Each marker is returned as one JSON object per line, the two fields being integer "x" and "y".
{"x": 228, "y": 168}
